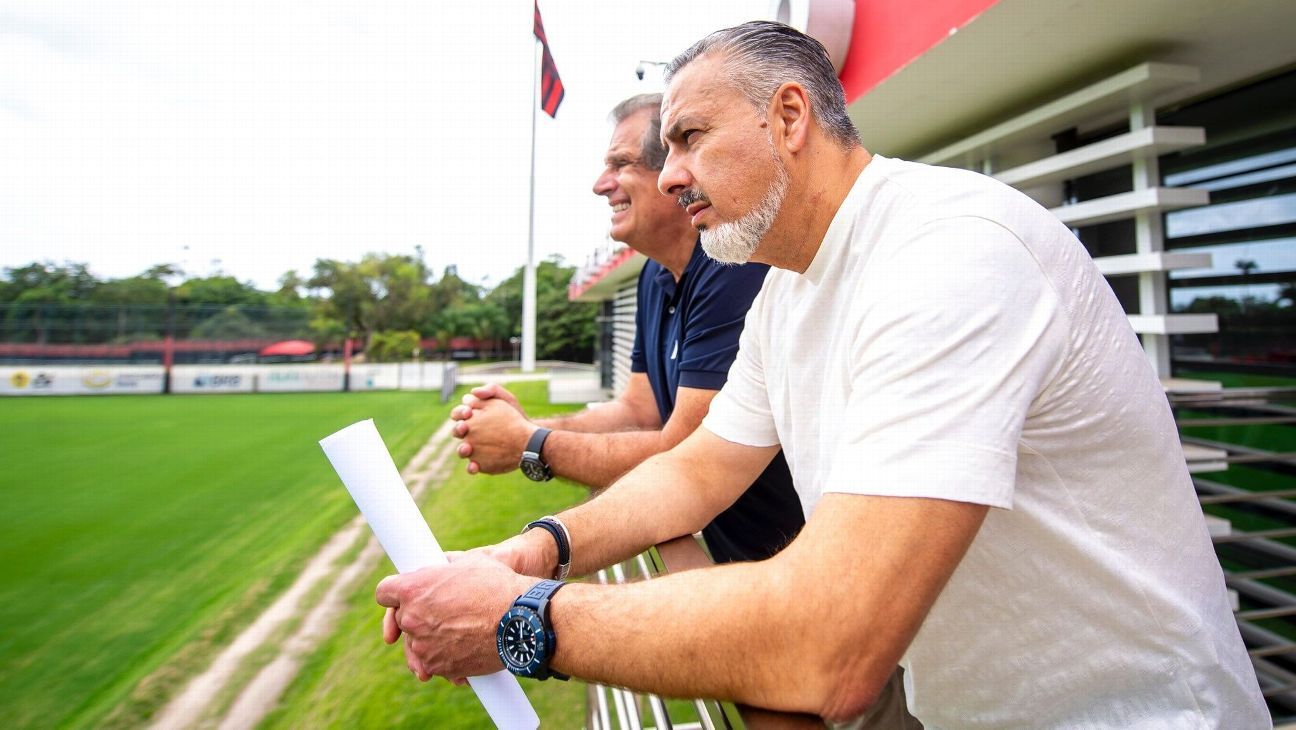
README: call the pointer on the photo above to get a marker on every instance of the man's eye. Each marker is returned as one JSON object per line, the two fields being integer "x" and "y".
{"x": 690, "y": 136}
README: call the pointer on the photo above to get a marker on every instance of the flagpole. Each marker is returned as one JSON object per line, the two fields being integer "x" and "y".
{"x": 529, "y": 277}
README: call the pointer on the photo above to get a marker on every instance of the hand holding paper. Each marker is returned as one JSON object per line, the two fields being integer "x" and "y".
{"x": 366, "y": 468}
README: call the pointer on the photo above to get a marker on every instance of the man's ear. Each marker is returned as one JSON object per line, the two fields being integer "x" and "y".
{"x": 790, "y": 113}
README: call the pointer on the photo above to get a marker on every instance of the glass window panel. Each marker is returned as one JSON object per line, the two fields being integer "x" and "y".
{"x": 1251, "y": 178}
{"x": 1232, "y": 167}
{"x": 1181, "y": 298}
{"x": 1278, "y": 254}
{"x": 1270, "y": 211}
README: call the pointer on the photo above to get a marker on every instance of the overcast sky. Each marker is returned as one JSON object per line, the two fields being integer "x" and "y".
{"x": 254, "y": 136}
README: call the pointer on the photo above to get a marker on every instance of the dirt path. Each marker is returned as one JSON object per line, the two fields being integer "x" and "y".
{"x": 193, "y": 706}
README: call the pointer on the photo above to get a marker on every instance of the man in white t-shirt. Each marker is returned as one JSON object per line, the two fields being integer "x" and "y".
{"x": 995, "y": 492}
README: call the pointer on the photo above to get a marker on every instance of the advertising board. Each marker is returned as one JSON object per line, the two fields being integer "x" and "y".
{"x": 79, "y": 380}
{"x": 212, "y": 379}
{"x": 299, "y": 378}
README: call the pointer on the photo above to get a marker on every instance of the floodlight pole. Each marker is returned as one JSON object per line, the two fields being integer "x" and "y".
{"x": 346, "y": 348}
{"x": 168, "y": 345}
{"x": 529, "y": 275}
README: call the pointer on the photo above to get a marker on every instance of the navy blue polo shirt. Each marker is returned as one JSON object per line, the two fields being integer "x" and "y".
{"x": 686, "y": 334}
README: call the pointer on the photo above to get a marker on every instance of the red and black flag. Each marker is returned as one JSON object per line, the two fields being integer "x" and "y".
{"x": 551, "y": 87}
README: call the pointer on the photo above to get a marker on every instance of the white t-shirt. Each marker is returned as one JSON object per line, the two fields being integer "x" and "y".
{"x": 952, "y": 339}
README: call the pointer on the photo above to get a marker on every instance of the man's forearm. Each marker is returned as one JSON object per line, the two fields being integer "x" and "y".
{"x": 603, "y": 418}
{"x": 818, "y": 628}
{"x": 654, "y": 503}
{"x": 719, "y": 632}
{"x": 683, "y": 553}
{"x": 598, "y": 459}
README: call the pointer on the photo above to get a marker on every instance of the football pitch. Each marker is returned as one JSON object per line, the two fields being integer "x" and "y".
{"x": 139, "y": 534}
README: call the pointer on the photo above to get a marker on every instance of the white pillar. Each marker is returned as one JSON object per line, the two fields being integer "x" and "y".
{"x": 1149, "y": 237}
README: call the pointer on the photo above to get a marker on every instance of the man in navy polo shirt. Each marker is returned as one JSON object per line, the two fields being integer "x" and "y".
{"x": 690, "y": 314}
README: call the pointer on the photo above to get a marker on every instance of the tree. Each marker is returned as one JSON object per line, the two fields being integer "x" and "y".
{"x": 1287, "y": 293}
{"x": 47, "y": 282}
{"x": 43, "y": 301}
{"x": 132, "y": 291}
{"x": 392, "y": 346}
{"x": 289, "y": 293}
{"x": 380, "y": 292}
{"x": 565, "y": 330}
{"x": 325, "y": 331}
{"x": 220, "y": 290}
{"x": 229, "y": 324}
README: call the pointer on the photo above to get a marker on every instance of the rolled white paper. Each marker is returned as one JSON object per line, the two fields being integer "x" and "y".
{"x": 365, "y": 465}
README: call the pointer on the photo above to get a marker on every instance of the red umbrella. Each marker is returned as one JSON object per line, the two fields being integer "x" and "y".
{"x": 288, "y": 347}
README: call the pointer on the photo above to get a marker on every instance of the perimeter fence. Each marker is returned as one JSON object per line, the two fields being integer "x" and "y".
{"x": 54, "y": 333}
{"x": 75, "y": 348}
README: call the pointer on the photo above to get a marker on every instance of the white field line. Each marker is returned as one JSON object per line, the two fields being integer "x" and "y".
{"x": 188, "y": 707}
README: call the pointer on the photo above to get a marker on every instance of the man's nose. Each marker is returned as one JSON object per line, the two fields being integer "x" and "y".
{"x": 674, "y": 179}
{"x": 605, "y": 183}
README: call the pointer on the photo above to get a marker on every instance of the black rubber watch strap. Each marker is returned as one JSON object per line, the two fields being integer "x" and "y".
{"x": 535, "y": 444}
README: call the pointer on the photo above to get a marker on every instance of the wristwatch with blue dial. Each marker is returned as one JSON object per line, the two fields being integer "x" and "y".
{"x": 525, "y": 637}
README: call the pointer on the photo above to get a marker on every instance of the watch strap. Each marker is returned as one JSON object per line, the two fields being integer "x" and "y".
{"x": 532, "y": 463}
{"x": 537, "y": 599}
{"x": 535, "y": 444}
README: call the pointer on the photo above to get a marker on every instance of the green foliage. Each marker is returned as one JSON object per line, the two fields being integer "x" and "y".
{"x": 450, "y": 291}
{"x": 325, "y": 330}
{"x": 229, "y": 324}
{"x": 392, "y": 346}
{"x": 49, "y": 303}
{"x": 47, "y": 282}
{"x": 142, "y": 289}
{"x": 140, "y": 533}
{"x": 565, "y": 330}
{"x": 1237, "y": 380}
{"x": 378, "y": 293}
{"x": 223, "y": 290}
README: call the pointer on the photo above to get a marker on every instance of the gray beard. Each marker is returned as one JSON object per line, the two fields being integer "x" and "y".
{"x": 734, "y": 243}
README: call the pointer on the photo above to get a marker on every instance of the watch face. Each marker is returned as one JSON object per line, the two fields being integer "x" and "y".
{"x": 520, "y": 640}
{"x": 534, "y": 470}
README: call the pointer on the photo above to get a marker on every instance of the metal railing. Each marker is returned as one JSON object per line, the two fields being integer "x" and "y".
{"x": 1256, "y": 536}
{"x": 606, "y": 705}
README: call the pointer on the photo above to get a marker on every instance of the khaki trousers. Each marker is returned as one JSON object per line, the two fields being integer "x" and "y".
{"x": 889, "y": 712}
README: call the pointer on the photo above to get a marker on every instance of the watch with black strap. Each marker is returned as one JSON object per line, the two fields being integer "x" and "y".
{"x": 532, "y": 465}
{"x": 525, "y": 637}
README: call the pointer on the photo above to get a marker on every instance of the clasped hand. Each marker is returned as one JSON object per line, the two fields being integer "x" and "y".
{"x": 493, "y": 428}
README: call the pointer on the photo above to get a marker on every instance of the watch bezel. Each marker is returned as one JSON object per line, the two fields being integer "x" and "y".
{"x": 535, "y": 469}
{"x": 531, "y": 618}
{"x": 532, "y": 463}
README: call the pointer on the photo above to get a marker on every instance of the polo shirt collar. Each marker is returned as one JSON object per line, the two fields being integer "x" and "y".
{"x": 666, "y": 280}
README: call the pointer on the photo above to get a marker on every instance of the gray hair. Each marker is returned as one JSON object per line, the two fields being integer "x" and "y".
{"x": 652, "y": 154}
{"x": 759, "y": 56}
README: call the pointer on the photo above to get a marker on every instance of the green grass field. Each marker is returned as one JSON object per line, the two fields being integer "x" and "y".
{"x": 1238, "y": 380}
{"x": 140, "y": 533}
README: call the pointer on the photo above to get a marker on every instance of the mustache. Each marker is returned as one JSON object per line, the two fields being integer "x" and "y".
{"x": 691, "y": 196}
